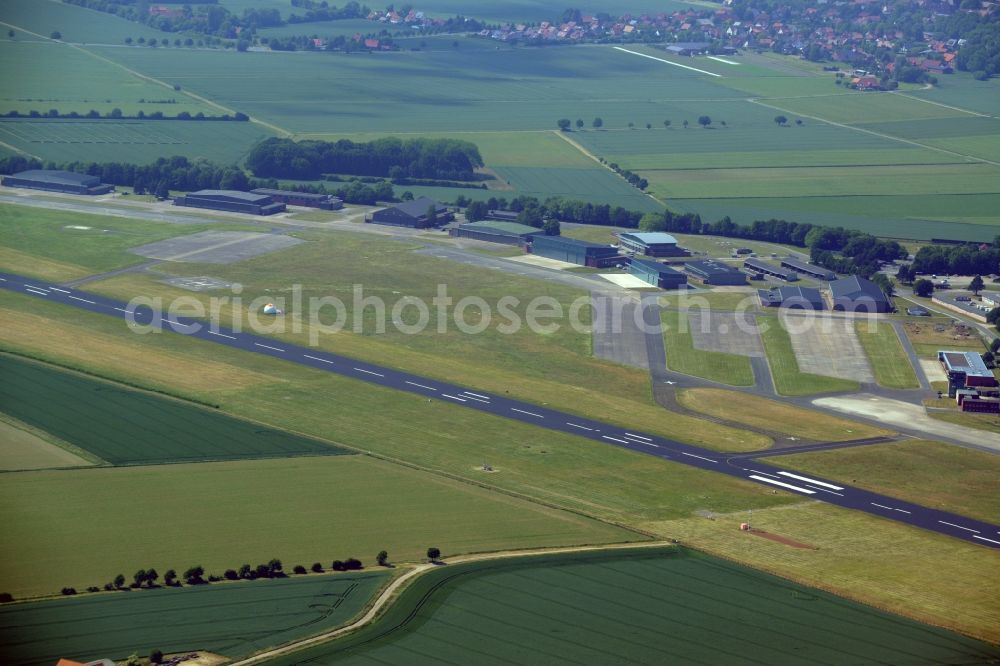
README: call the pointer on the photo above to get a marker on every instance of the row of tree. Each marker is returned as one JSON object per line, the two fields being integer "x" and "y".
{"x": 118, "y": 114}
{"x": 449, "y": 159}
{"x": 959, "y": 259}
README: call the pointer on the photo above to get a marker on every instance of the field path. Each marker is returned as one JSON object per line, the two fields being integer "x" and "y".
{"x": 391, "y": 591}
{"x": 565, "y": 137}
{"x": 280, "y": 130}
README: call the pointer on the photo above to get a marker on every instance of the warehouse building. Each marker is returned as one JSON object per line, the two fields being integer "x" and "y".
{"x": 758, "y": 266}
{"x": 508, "y": 233}
{"x": 651, "y": 244}
{"x": 813, "y": 271}
{"x": 657, "y": 274}
{"x": 575, "y": 251}
{"x": 967, "y": 370}
{"x": 714, "y": 272}
{"x": 412, "y": 214}
{"x": 231, "y": 200}
{"x": 307, "y": 199}
{"x": 855, "y": 294}
{"x": 794, "y": 298}
{"x": 57, "y": 181}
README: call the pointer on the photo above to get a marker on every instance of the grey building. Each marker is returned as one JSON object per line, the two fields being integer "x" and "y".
{"x": 657, "y": 274}
{"x": 57, "y": 181}
{"x": 651, "y": 244}
{"x": 231, "y": 200}
{"x": 575, "y": 251}
{"x": 795, "y": 298}
{"x": 855, "y": 294}
{"x": 508, "y": 233}
{"x": 412, "y": 214}
{"x": 811, "y": 270}
{"x": 714, "y": 272}
{"x": 758, "y": 266}
{"x": 307, "y": 199}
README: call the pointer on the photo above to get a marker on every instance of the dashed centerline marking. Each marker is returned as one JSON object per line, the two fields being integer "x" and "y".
{"x": 812, "y": 481}
{"x": 377, "y": 374}
{"x": 77, "y": 298}
{"x": 701, "y": 457}
{"x": 881, "y": 506}
{"x": 976, "y": 536}
{"x": 902, "y": 510}
{"x": 515, "y": 409}
{"x": 221, "y": 335}
{"x": 967, "y": 529}
{"x": 277, "y": 349}
{"x": 36, "y": 291}
{"x": 65, "y": 291}
{"x": 783, "y": 484}
{"x": 576, "y": 425}
{"x": 615, "y": 439}
{"x": 453, "y": 397}
{"x": 317, "y": 358}
{"x": 648, "y": 439}
{"x": 429, "y": 388}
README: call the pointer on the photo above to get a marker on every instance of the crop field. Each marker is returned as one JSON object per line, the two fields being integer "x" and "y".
{"x": 641, "y": 606}
{"x": 682, "y": 355}
{"x": 75, "y": 23}
{"x": 82, "y": 527}
{"x": 962, "y": 90}
{"x": 44, "y": 75}
{"x": 888, "y": 359}
{"x": 596, "y": 184}
{"x": 23, "y": 447}
{"x": 234, "y": 620}
{"x": 124, "y": 426}
{"x": 138, "y": 141}
{"x": 788, "y": 379}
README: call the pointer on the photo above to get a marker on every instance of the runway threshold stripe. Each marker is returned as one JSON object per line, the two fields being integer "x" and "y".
{"x": 471, "y": 397}
{"x": 967, "y": 529}
{"x": 317, "y": 358}
{"x": 757, "y": 471}
{"x": 783, "y": 484}
{"x": 77, "y": 298}
{"x": 825, "y": 490}
{"x": 377, "y": 374}
{"x": 701, "y": 457}
{"x": 515, "y": 409}
{"x": 621, "y": 441}
{"x": 812, "y": 481}
{"x": 277, "y": 349}
{"x": 976, "y": 536}
{"x": 429, "y": 388}
{"x": 221, "y": 335}
{"x": 577, "y": 425}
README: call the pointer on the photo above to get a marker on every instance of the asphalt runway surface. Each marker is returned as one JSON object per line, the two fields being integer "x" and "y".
{"x": 825, "y": 490}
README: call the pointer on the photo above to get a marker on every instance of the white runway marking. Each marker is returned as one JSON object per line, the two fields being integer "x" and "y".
{"x": 471, "y": 397}
{"x": 902, "y": 510}
{"x": 31, "y": 286}
{"x": 976, "y": 536}
{"x": 269, "y": 347}
{"x": 881, "y": 506}
{"x": 222, "y": 335}
{"x": 648, "y": 439}
{"x": 825, "y": 490}
{"x": 484, "y": 397}
{"x": 454, "y": 397}
{"x": 702, "y": 457}
{"x": 718, "y": 59}
{"x": 783, "y": 484}
{"x": 967, "y": 529}
{"x": 620, "y": 441}
{"x": 123, "y": 310}
{"x": 429, "y": 388}
{"x": 58, "y": 289}
{"x": 808, "y": 480}
{"x": 575, "y": 425}
{"x": 515, "y": 409}
{"x": 317, "y": 358}
{"x": 36, "y": 291}
{"x": 77, "y": 298}
{"x": 377, "y": 374}
{"x": 757, "y": 471}
{"x": 669, "y": 62}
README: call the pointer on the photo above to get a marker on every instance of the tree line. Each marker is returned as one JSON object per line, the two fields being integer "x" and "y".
{"x": 449, "y": 159}
{"x": 969, "y": 259}
{"x": 118, "y": 114}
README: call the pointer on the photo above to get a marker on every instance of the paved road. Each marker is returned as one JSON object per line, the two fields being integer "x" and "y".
{"x": 960, "y": 527}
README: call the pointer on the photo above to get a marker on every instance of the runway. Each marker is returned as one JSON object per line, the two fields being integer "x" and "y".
{"x": 825, "y": 490}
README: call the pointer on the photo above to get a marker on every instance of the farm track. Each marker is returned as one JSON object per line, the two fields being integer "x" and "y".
{"x": 395, "y": 588}
{"x": 591, "y": 155}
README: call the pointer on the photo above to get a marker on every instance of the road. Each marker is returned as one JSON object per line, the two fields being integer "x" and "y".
{"x": 836, "y": 493}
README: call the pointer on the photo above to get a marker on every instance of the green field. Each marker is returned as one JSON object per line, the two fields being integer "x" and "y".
{"x": 788, "y": 380}
{"x": 234, "y": 620}
{"x": 82, "y": 527}
{"x": 942, "y": 476}
{"x": 682, "y": 356}
{"x": 888, "y": 359}
{"x": 75, "y": 23}
{"x": 598, "y": 185}
{"x": 127, "y": 427}
{"x": 638, "y": 607}
{"x": 145, "y": 141}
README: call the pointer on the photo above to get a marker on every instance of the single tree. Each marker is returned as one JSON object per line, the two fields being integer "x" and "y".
{"x": 128, "y": 40}
{"x": 551, "y": 227}
{"x": 649, "y": 125}
{"x": 993, "y": 316}
{"x": 798, "y": 121}
{"x": 563, "y": 124}
{"x": 598, "y": 123}
{"x": 976, "y": 285}
{"x": 382, "y": 558}
{"x": 55, "y": 34}
{"x": 338, "y": 565}
{"x": 67, "y": 591}
{"x": 299, "y": 569}
{"x": 923, "y": 287}
{"x": 353, "y": 564}
{"x": 666, "y": 123}
{"x": 275, "y": 567}
{"x": 433, "y": 554}
{"x": 579, "y": 123}
{"x": 170, "y": 578}
{"x": 477, "y": 210}
{"x": 704, "y": 121}
{"x": 156, "y": 657}
{"x": 722, "y": 122}
{"x": 151, "y": 577}
{"x": 10, "y": 33}
{"x": 263, "y": 571}
{"x": 685, "y": 123}
{"x": 780, "y": 120}
{"x": 194, "y": 575}
{"x": 120, "y": 581}
{"x": 631, "y": 125}
{"x": 317, "y": 567}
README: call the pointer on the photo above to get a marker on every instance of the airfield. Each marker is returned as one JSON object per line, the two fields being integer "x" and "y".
{"x": 588, "y": 488}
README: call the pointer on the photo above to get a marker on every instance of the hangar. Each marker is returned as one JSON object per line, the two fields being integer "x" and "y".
{"x": 855, "y": 294}
{"x": 651, "y": 244}
{"x": 575, "y": 251}
{"x": 811, "y": 270}
{"x": 714, "y": 272}
{"x": 795, "y": 298}
{"x": 657, "y": 274}
{"x": 412, "y": 214}
{"x": 758, "y": 266}
{"x": 58, "y": 181}
{"x": 231, "y": 200}
{"x": 966, "y": 369}
{"x": 508, "y": 233}
{"x": 307, "y": 199}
